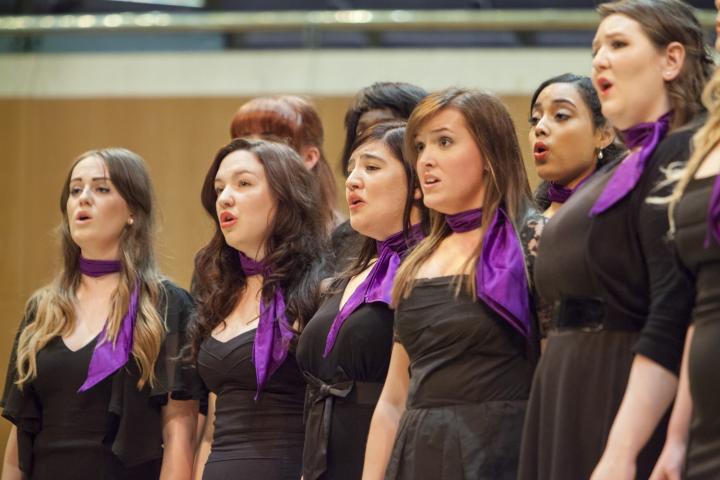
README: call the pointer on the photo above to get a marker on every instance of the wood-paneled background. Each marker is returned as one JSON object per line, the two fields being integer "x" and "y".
{"x": 178, "y": 137}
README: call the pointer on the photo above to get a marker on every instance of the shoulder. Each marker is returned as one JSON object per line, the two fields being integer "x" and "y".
{"x": 175, "y": 305}
{"x": 676, "y": 146}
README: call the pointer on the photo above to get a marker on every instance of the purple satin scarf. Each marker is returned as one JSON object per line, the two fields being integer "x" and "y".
{"x": 109, "y": 356}
{"x": 274, "y": 333}
{"x": 628, "y": 173}
{"x": 714, "y": 214}
{"x": 377, "y": 286}
{"x": 560, "y": 194}
{"x": 500, "y": 276}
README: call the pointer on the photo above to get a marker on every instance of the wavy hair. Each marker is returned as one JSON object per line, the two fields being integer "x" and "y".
{"x": 506, "y": 184}
{"x": 293, "y": 247}
{"x": 54, "y": 305}
{"x": 664, "y": 22}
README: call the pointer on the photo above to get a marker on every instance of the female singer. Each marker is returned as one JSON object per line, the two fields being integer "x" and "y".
{"x": 693, "y": 432}
{"x": 344, "y": 351}
{"x": 94, "y": 388}
{"x": 621, "y": 307}
{"x": 256, "y": 285}
{"x": 460, "y": 370}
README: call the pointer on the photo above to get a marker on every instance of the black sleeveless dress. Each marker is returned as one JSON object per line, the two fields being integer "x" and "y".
{"x": 469, "y": 382}
{"x": 260, "y": 439}
{"x": 343, "y": 388}
{"x": 703, "y": 265}
{"x": 112, "y": 431}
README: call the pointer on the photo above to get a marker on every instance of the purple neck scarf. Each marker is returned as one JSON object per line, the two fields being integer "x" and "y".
{"x": 109, "y": 356}
{"x": 628, "y": 173}
{"x": 274, "y": 333}
{"x": 560, "y": 194}
{"x": 377, "y": 286}
{"x": 714, "y": 214}
{"x": 500, "y": 276}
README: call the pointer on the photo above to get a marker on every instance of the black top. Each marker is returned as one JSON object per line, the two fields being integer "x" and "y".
{"x": 623, "y": 257}
{"x": 112, "y": 430}
{"x": 703, "y": 266}
{"x": 360, "y": 356}
{"x": 247, "y": 430}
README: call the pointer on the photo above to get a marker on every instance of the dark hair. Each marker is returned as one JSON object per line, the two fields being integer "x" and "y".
{"x": 392, "y": 135}
{"x": 293, "y": 246}
{"x": 589, "y": 95}
{"x": 664, "y": 22}
{"x": 398, "y": 97}
{"x": 295, "y": 121}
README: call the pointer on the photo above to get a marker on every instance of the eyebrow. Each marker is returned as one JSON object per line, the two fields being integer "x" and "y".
{"x": 372, "y": 156}
{"x": 94, "y": 179}
{"x": 440, "y": 129}
{"x": 238, "y": 173}
{"x": 612, "y": 34}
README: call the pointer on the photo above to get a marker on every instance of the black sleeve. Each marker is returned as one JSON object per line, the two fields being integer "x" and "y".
{"x": 671, "y": 293}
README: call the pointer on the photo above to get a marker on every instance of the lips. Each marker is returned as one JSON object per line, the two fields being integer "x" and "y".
{"x": 540, "y": 151}
{"x": 429, "y": 180}
{"x": 355, "y": 201}
{"x": 82, "y": 217}
{"x": 227, "y": 220}
{"x": 604, "y": 85}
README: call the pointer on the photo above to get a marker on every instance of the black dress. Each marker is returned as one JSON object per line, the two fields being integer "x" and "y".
{"x": 343, "y": 388}
{"x": 703, "y": 265}
{"x": 616, "y": 292}
{"x": 112, "y": 431}
{"x": 262, "y": 439}
{"x": 469, "y": 383}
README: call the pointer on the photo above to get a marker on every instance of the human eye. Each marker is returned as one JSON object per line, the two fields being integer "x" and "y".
{"x": 615, "y": 44}
{"x": 419, "y": 147}
{"x": 75, "y": 190}
{"x": 244, "y": 183}
{"x": 102, "y": 189}
{"x": 561, "y": 116}
{"x": 533, "y": 120}
{"x": 371, "y": 168}
{"x": 218, "y": 190}
{"x": 445, "y": 141}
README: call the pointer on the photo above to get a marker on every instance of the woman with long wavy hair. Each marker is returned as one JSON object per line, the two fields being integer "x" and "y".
{"x": 462, "y": 361}
{"x": 692, "y": 448}
{"x": 95, "y": 389}
{"x": 621, "y": 307}
{"x": 256, "y": 285}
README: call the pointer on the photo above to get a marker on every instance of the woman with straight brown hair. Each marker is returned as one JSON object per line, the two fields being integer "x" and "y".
{"x": 94, "y": 387}
{"x": 609, "y": 372}
{"x": 294, "y": 120}
{"x": 460, "y": 369}
{"x": 256, "y": 285}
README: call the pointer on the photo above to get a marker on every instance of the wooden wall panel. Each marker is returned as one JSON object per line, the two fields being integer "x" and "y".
{"x": 177, "y": 136}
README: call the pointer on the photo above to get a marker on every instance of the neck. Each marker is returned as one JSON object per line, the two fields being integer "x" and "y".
{"x": 99, "y": 253}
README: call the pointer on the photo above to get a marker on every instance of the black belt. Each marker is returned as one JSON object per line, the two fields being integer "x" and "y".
{"x": 585, "y": 313}
{"x": 319, "y": 402}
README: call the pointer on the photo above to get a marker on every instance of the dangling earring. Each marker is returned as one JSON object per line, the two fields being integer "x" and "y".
{"x": 600, "y": 155}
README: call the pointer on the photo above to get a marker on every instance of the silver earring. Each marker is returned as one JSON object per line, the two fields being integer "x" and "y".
{"x": 600, "y": 155}
{"x": 130, "y": 221}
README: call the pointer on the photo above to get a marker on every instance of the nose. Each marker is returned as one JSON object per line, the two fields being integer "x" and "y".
{"x": 353, "y": 181}
{"x": 541, "y": 127}
{"x": 425, "y": 159}
{"x": 600, "y": 61}
{"x": 225, "y": 198}
{"x": 85, "y": 196}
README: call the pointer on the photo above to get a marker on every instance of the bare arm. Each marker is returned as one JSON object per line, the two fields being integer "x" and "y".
{"x": 671, "y": 463}
{"x": 386, "y": 418}
{"x": 11, "y": 467}
{"x": 203, "y": 450}
{"x": 650, "y": 391}
{"x": 179, "y": 418}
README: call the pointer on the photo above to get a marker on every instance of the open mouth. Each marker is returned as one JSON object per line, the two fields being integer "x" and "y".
{"x": 82, "y": 217}
{"x": 227, "y": 219}
{"x": 604, "y": 85}
{"x": 355, "y": 201}
{"x": 429, "y": 180}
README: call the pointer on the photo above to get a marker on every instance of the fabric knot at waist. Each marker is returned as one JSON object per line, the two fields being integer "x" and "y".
{"x": 320, "y": 399}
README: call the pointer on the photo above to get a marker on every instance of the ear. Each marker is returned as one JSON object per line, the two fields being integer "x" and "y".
{"x": 604, "y": 136}
{"x": 673, "y": 61}
{"x": 310, "y": 156}
{"x": 417, "y": 194}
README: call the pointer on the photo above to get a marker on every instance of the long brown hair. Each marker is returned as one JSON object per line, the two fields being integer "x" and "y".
{"x": 294, "y": 120}
{"x": 54, "y": 305}
{"x": 664, "y": 22}
{"x": 294, "y": 246}
{"x": 506, "y": 184}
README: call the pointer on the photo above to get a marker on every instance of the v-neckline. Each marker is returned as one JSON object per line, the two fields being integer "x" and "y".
{"x": 92, "y": 340}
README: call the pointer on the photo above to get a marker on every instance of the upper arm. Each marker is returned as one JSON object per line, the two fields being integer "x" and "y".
{"x": 179, "y": 418}
{"x": 395, "y": 390}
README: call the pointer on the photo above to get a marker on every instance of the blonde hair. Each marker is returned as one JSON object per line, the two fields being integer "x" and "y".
{"x": 53, "y": 307}
{"x": 506, "y": 184}
{"x": 704, "y": 141}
